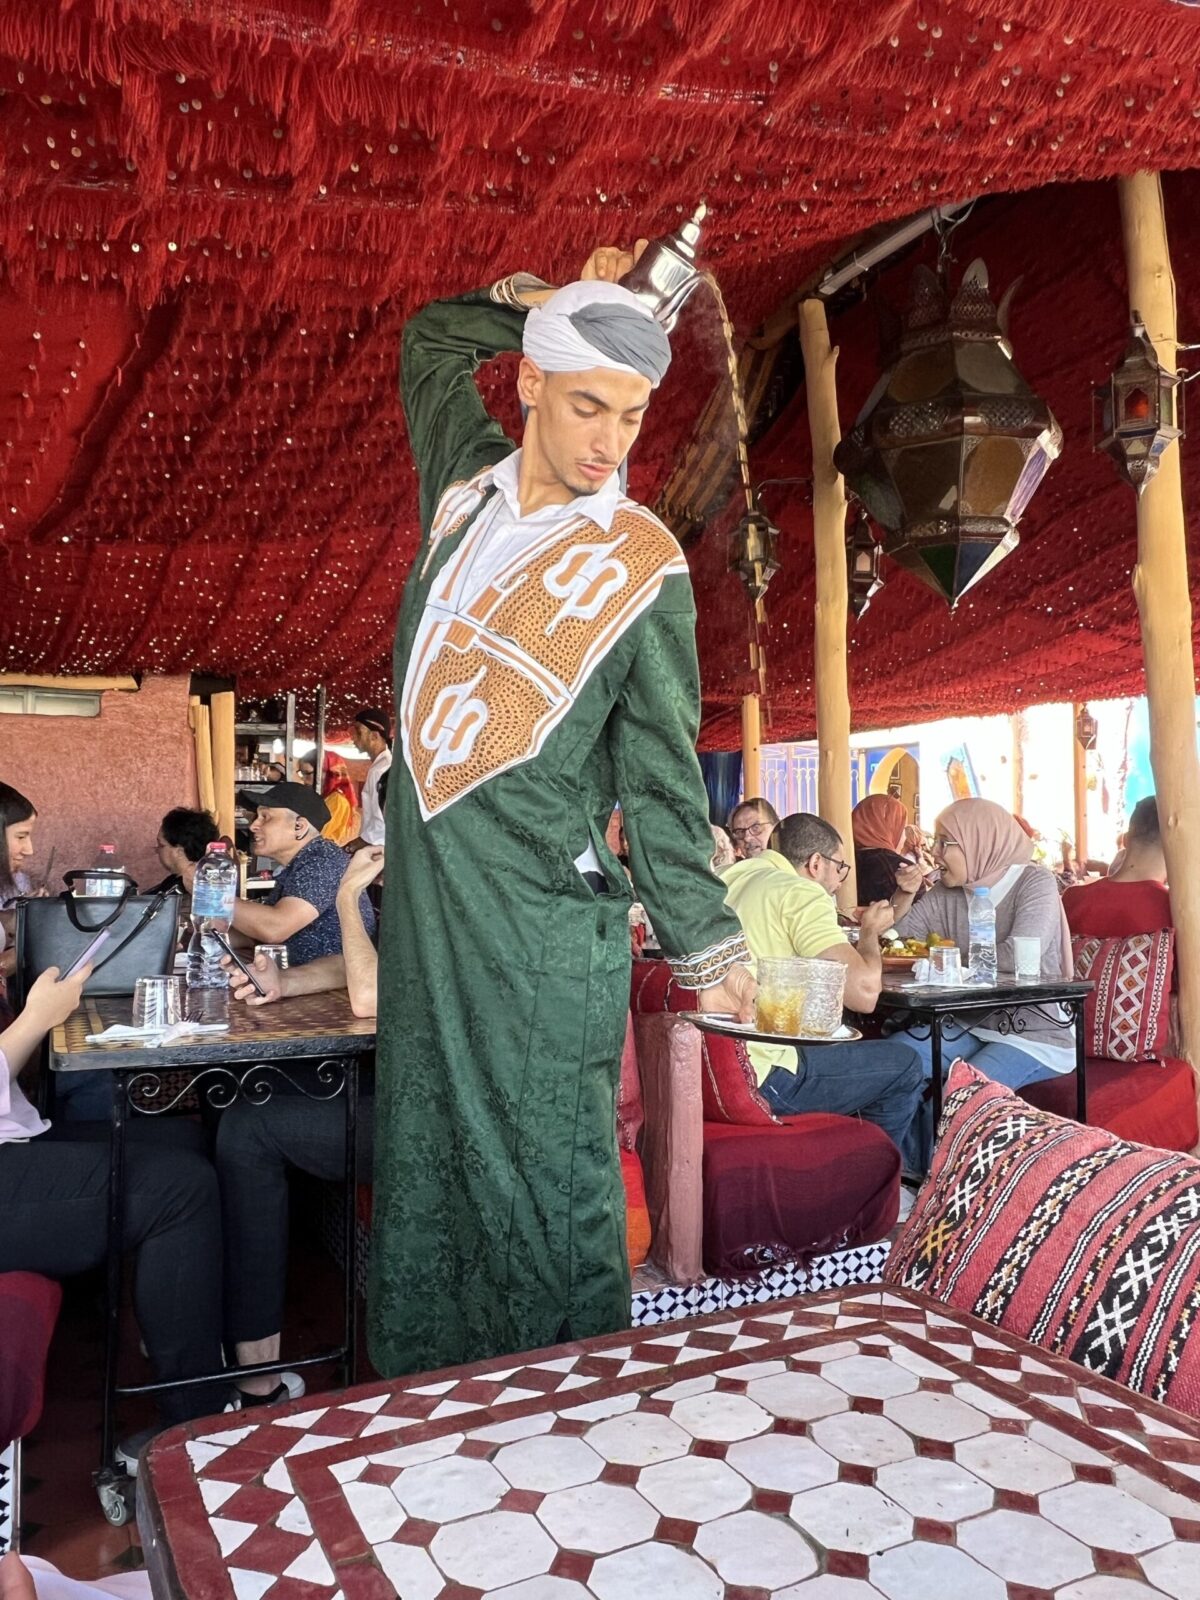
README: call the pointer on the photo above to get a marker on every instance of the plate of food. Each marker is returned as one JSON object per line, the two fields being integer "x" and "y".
{"x": 901, "y": 955}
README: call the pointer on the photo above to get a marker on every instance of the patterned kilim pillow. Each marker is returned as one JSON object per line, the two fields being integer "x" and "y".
{"x": 1079, "y": 1242}
{"x": 1128, "y": 1013}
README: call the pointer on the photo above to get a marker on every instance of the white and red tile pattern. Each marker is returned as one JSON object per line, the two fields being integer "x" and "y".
{"x": 860, "y": 1445}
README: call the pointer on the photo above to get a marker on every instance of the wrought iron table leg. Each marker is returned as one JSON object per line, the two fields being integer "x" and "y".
{"x": 350, "y": 1232}
{"x": 935, "y": 1056}
{"x": 1077, "y": 1006}
{"x": 112, "y": 1310}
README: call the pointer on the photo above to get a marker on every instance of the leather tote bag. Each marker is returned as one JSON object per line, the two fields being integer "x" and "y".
{"x": 54, "y": 932}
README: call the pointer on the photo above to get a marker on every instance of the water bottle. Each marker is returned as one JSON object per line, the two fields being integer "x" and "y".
{"x": 213, "y": 896}
{"x": 981, "y": 919}
{"x": 105, "y": 883}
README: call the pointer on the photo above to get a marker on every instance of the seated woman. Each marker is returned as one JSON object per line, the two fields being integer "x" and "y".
{"x": 880, "y": 824}
{"x": 54, "y": 1201}
{"x": 978, "y": 842}
{"x": 17, "y": 816}
{"x": 183, "y": 837}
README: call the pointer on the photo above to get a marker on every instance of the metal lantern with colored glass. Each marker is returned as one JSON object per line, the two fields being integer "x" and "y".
{"x": 1086, "y": 728}
{"x": 1136, "y": 414}
{"x": 952, "y": 441}
{"x": 862, "y": 563}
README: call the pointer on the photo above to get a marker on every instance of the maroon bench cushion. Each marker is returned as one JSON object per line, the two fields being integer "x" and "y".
{"x": 28, "y": 1311}
{"x": 1147, "y": 1102}
{"x": 810, "y": 1184}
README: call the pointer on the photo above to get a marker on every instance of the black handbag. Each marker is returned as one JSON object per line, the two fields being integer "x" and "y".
{"x": 54, "y": 932}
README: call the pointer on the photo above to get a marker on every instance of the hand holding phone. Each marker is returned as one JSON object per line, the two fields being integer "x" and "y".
{"x": 88, "y": 954}
{"x": 247, "y": 972}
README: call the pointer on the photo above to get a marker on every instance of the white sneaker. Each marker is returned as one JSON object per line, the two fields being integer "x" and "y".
{"x": 908, "y": 1199}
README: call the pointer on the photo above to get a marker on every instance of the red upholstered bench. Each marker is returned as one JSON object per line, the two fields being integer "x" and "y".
{"x": 1146, "y": 1102}
{"x": 728, "y": 1197}
{"x": 28, "y": 1311}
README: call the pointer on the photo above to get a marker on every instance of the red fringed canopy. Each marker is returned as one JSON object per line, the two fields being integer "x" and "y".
{"x": 214, "y": 219}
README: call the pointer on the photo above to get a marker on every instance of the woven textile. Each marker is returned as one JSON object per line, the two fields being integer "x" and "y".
{"x": 1079, "y": 1242}
{"x": 728, "y": 1084}
{"x": 1128, "y": 1013}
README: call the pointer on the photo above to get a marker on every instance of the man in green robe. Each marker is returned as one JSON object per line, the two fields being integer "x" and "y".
{"x": 545, "y": 667}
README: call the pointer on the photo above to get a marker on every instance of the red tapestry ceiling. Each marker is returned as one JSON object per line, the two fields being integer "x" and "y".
{"x": 214, "y": 219}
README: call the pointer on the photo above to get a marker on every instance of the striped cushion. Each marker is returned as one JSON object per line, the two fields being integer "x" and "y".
{"x": 1127, "y": 1017}
{"x": 1075, "y": 1240}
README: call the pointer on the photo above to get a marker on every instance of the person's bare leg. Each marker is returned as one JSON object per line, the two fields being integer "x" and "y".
{"x": 249, "y": 1353}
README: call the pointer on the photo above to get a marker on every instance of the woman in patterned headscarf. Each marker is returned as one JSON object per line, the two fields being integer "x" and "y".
{"x": 338, "y": 793}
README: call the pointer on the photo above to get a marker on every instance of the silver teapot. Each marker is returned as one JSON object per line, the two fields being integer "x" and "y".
{"x": 667, "y": 272}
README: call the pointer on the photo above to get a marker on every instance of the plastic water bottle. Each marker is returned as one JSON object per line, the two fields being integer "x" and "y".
{"x": 213, "y": 896}
{"x": 981, "y": 919}
{"x": 105, "y": 883}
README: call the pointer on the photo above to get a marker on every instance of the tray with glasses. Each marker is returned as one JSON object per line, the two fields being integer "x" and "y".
{"x": 724, "y": 1022}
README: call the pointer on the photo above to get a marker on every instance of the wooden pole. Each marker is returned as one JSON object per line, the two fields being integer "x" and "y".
{"x": 202, "y": 736}
{"x": 1160, "y": 585}
{"x": 224, "y": 743}
{"x": 1080, "y": 789}
{"x": 751, "y": 747}
{"x": 832, "y": 604}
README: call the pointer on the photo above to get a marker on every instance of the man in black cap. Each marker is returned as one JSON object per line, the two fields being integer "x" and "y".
{"x": 301, "y": 910}
{"x": 373, "y": 736}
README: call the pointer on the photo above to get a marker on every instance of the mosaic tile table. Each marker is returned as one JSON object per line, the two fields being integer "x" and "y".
{"x": 847, "y": 1446}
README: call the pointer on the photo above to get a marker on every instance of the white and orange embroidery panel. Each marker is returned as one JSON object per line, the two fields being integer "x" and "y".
{"x": 505, "y": 647}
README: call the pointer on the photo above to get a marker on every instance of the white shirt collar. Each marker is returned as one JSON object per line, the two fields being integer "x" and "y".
{"x": 601, "y": 507}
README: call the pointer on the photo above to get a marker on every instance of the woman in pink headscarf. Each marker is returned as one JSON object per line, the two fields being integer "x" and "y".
{"x": 979, "y": 844}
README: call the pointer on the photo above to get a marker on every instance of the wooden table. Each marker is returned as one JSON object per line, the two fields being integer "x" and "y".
{"x": 871, "y": 1436}
{"x": 264, "y": 1046}
{"x": 936, "y": 1008}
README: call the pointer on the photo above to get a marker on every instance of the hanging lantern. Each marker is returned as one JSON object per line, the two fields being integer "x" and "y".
{"x": 862, "y": 563}
{"x": 1138, "y": 412}
{"x": 1086, "y": 728}
{"x": 752, "y": 552}
{"x": 952, "y": 441}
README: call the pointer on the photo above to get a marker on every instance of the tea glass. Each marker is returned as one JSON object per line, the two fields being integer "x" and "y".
{"x": 274, "y": 952}
{"x": 157, "y": 1002}
{"x": 799, "y": 996}
{"x": 1027, "y": 956}
{"x": 945, "y": 966}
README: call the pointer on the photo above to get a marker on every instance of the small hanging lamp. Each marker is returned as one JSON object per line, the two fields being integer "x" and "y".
{"x": 753, "y": 547}
{"x": 1086, "y": 728}
{"x": 1138, "y": 412}
{"x": 862, "y": 563}
{"x": 952, "y": 441}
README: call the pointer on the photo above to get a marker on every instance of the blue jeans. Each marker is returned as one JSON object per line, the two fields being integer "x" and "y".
{"x": 1003, "y": 1063}
{"x": 879, "y": 1079}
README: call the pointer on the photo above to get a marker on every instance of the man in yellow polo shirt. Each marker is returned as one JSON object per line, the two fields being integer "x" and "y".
{"x": 783, "y": 899}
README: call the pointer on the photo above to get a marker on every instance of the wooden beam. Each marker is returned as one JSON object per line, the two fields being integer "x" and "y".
{"x": 751, "y": 747}
{"x": 26, "y": 680}
{"x": 1160, "y": 584}
{"x": 1079, "y": 785}
{"x": 830, "y": 671}
{"x": 202, "y": 735}
{"x": 223, "y": 756}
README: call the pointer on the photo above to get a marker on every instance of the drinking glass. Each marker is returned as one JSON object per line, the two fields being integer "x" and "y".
{"x": 799, "y": 996}
{"x": 1027, "y": 956}
{"x": 273, "y": 952}
{"x": 945, "y": 966}
{"x": 157, "y": 1002}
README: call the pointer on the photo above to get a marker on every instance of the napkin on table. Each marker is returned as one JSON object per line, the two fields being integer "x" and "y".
{"x": 154, "y": 1037}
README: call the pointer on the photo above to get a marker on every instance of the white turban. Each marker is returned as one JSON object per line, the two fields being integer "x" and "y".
{"x": 596, "y": 325}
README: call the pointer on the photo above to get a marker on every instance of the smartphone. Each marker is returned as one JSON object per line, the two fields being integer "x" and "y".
{"x": 88, "y": 954}
{"x": 247, "y": 972}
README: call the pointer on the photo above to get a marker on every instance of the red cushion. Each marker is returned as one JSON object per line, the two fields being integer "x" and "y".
{"x": 792, "y": 1191}
{"x": 728, "y": 1084}
{"x": 631, "y": 1113}
{"x": 653, "y": 988}
{"x": 1148, "y": 1102}
{"x": 28, "y": 1311}
{"x": 1064, "y": 1235}
{"x": 1127, "y": 1017}
{"x": 637, "y": 1214}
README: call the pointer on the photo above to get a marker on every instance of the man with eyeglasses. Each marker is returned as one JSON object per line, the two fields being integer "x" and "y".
{"x": 751, "y": 825}
{"x": 783, "y": 898}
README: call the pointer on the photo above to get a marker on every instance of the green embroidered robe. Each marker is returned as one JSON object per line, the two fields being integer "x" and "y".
{"x": 524, "y": 712}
